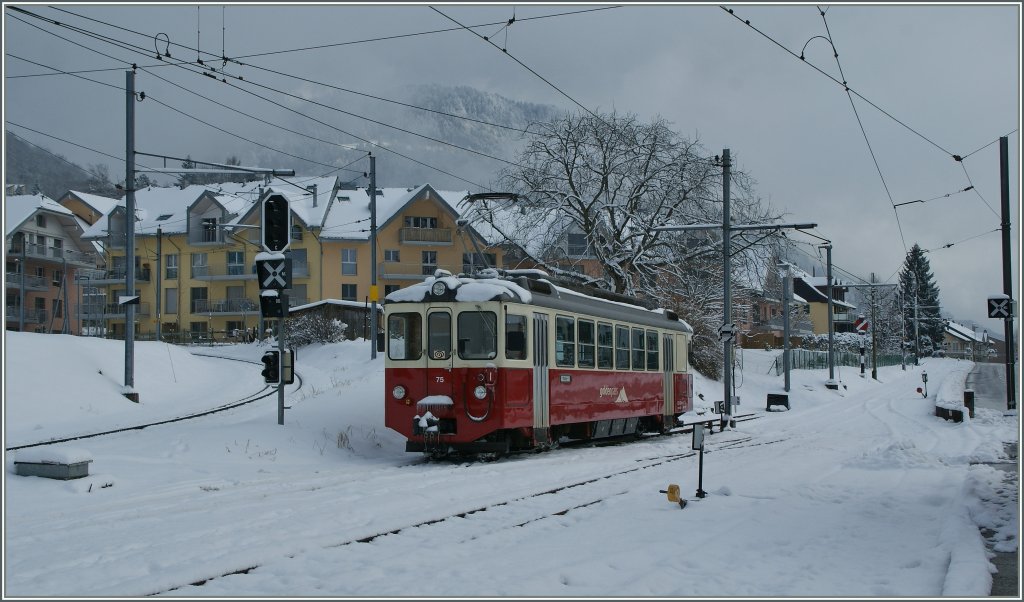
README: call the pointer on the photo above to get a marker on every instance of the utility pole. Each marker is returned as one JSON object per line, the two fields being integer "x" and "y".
{"x": 24, "y": 269}
{"x": 1004, "y": 178}
{"x": 373, "y": 257}
{"x": 727, "y": 276}
{"x": 159, "y": 241}
{"x": 727, "y": 229}
{"x": 903, "y": 331}
{"x": 831, "y": 382}
{"x": 129, "y": 221}
{"x": 787, "y": 284}
{"x": 874, "y": 330}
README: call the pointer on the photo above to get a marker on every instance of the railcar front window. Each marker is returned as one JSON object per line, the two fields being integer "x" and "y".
{"x": 478, "y": 335}
{"x": 565, "y": 342}
{"x": 405, "y": 336}
{"x": 439, "y": 333}
{"x": 515, "y": 337}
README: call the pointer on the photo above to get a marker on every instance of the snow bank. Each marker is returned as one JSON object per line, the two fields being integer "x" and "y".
{"x": 950, "y": 394}
{"x": 52, "y": 455}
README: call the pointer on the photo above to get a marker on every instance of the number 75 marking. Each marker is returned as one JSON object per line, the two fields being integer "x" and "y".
{"x": 439, "y": 379}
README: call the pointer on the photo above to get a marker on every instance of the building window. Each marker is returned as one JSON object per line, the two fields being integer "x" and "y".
{"x": 471, "y": 262}
{"x": 58, "y": 308}
{"x": 578, "y": 245}
{"x": 57, "y": 248}
{"x": 420, "y": 222}
{"x": 236, "y": 263}
{"x": 41, "y": 220}
{"x": 391, "y": 255}
{"x": 197, "y": 328}
{"x": 209, "y": 231}
{"x": 170, "y": 301}
{"x": 348, "y": 262}
{"x": 199, "y": 265}
{"x": 296, "y": 232}
{"x": 171, "y": 270}
{"x": 57, "y": 277}
{"x": 348, "y": 292}
{"x": 390, "y": 288}
{"x": 429, "y": 262}
{"x": 200, "y": 299}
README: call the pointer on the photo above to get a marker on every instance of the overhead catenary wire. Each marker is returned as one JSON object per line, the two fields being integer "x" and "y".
{"x": 382, "y": 147}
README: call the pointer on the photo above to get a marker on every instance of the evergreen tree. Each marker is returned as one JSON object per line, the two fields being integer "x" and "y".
{"x": 918, "y": 283}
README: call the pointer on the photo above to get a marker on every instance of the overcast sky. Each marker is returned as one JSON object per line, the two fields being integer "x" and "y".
{"x": 950, "y": 74}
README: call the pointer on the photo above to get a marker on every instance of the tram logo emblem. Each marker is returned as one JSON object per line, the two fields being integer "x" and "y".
{"x": 619, "y": 394}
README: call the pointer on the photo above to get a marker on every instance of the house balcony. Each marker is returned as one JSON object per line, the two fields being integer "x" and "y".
{"x": 32, "y": 282}
{"x": 225, "y": 307}
{"x": 33, "y": 315}
{"x": 843, "y": 317}
{"x": 206, "y": 237}
{"x": 404, "y": 271}
{"x": 211, "y": 273}
{"x": 116, "y": 276}
{"x": 110, "y": 311}
{"x": 53, "y": 255}
{"x": 425, "y": 236}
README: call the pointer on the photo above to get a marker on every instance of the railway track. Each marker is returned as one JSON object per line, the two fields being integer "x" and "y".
{"x": 539, "y": 506}
{"x": 263, "y": 393}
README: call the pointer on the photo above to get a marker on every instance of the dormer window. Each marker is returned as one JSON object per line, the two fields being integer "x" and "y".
{"x": 209, "y": 228}
{"x": 41, "y": 220}
{"x": 420, "y": 222}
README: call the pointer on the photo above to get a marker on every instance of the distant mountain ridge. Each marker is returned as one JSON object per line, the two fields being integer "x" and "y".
{"x": 35, "y": 168}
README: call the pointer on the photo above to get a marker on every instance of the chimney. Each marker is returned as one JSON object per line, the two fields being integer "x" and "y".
{"x": 312, "y": 189}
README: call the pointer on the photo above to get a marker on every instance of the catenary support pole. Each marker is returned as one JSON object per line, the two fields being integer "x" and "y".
{"x": 1004, "y": 179}
{"x": 159, "y": 275}
{"x": 787, "y": 285}
{"x": 874, "y": 330}
{"x": 280, "y": 357}
{"x": 727, "y": 272}
{"x": 831, "y": 382}
{"x": 129, "y": 243}
{"x": 373, "y": 257}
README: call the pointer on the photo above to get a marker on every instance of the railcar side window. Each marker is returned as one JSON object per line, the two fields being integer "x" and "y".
{"x": 639, "y": 362}
{"x": 515, "y": 337}
{"x": 621, "y": 348}
{"x": 605, "y": 353}
{"x": 439, "y": 335}
{"x": 652, "y": 350}
{"x": 405, "y": 336}
{"x": 586, "y": 340}
{"x": 478, "y": 335}
{"x": 565, "y": 342}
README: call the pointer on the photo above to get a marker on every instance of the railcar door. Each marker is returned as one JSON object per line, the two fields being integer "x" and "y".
{"x": 439, "y": 352}
{"x": 541, "y": 403}
{"x": 669, "y": 363}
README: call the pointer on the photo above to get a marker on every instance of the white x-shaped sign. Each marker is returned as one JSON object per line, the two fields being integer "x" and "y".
{"x": 999, "y": 308}
{"x": 275, "y": 275}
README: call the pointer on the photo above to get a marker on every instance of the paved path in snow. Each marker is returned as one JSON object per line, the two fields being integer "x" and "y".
{"x": 989, "y": 384}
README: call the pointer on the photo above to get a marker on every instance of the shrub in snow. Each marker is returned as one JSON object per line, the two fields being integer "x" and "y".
{"x": 315, "y": 327}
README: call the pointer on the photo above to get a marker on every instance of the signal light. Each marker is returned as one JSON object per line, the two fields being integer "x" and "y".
{"x": 272, "y": 367}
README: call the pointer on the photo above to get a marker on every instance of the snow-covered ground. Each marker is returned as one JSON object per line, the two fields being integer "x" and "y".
{"x": 859, "y": 492}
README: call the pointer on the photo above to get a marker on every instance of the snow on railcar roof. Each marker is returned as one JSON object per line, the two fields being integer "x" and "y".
{"x": 466, "y": 290}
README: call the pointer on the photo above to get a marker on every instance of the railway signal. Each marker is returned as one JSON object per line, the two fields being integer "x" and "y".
{"x": 272, "y": 367}
{"x": 276, "y": 218}
{"x": 288, "y": 367}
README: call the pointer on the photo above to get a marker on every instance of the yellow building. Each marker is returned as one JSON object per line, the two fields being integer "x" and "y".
{"x": 195, "y": 251}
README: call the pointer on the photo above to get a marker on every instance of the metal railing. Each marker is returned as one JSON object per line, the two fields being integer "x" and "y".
{"x": 428, "y": 235}
{"x": 32, "y": 282}
{"x": 224, "y": 306}
{"x": 33, "y": 315}
{"x": 805, "y": 359}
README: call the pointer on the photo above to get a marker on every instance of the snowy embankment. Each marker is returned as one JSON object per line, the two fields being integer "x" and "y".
{"x": 856, "y": 492}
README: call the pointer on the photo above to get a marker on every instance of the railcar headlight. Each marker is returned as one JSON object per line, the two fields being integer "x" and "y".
{"x": 439, "y": 288}
{"x": 398, "y": 392}
{"x": 480, "y": 392}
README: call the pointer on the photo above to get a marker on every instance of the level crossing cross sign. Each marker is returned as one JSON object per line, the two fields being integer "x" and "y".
{"x": 1000, "y": 307}
{"x": 860, "y": 324}
{"x": 274, "y": 273}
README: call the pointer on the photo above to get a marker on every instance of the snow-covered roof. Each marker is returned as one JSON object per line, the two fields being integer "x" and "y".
{"x": 349, "y": 214}
{"x": 18, "y": 208}
{"x": 338, "y": 302}
{"x": 966, "y": 333}
{"x": 101, "y": 204}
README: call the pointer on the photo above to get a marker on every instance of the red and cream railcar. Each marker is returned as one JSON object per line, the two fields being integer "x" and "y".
{"x": 500, "y": 364}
